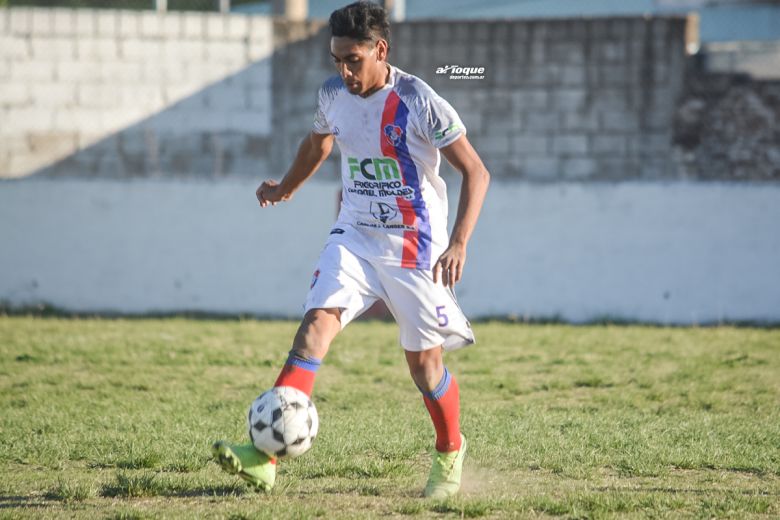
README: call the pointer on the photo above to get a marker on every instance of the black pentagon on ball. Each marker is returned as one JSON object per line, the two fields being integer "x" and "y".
{"x": 277, "y": 414}
{"x": 299, "y": 440}
{"x": 282, "y": 452}
{"x": 260, "y": 425}
{"x": 308, "y": 421}
{"x": 278, "y": 436}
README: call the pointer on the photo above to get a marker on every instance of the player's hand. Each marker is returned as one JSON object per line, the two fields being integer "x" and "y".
{"x": 449, "y": 266}
{"x": 269, "y": 193}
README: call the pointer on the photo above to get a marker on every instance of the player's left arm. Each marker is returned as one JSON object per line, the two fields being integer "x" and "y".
{"x": 462, "y": 156}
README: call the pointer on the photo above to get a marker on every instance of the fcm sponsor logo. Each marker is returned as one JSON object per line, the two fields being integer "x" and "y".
{"x": 375, "y": 169}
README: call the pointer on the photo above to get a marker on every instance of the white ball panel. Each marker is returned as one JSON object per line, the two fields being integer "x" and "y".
{"x": 283, "y": 422}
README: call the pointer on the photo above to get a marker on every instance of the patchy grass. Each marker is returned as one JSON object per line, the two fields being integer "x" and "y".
{"x": 113, "y": 418}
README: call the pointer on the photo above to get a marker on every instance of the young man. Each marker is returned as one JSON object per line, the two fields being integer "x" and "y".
{"x": 390, "y": 241}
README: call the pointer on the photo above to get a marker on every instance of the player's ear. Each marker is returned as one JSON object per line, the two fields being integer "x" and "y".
{"x": 381, "y": 50}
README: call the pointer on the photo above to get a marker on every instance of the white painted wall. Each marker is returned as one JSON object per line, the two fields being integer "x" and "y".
{"x": 671, "y": 253}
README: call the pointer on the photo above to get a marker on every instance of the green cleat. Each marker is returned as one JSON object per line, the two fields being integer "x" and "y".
{"x": 444, "y": 480}
{"x": 244, "y": 460}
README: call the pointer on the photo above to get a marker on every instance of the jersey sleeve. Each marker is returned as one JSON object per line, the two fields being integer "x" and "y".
{"x": 439, "y": 122}
{"x": 320, "y": 124}
{"x": 326, "y": 95}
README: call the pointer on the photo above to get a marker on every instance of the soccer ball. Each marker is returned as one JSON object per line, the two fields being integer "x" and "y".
{"x": 283, "y": 422}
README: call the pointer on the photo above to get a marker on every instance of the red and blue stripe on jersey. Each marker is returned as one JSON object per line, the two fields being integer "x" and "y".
{"x": 417, "y": 242}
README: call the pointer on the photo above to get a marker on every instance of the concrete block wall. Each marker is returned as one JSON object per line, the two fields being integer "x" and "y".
{"x": 586, "y": 99}
{"x": 301, "y": 62}
{"x": 123, "y": 94}
{"x": 118, "y": 95}
{"x": 126, "y": 93}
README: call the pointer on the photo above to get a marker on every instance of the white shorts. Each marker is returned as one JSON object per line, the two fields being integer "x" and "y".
{"x": 427, "y": 313}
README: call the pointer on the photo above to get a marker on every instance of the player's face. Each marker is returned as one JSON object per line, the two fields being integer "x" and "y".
{"x": 360, "y": 64}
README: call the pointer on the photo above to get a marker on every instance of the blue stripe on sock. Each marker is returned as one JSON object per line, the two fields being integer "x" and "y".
{"x": 441, "y": 388}
{"x": 311, "y": 364}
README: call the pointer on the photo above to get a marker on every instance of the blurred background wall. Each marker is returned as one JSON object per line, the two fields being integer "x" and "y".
{"x": 632, "y": 180}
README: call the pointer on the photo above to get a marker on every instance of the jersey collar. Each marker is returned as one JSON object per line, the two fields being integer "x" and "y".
{"x": 391, "y": 79}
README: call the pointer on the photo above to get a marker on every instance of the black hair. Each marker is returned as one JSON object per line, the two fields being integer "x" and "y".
{"x": 362, "y": 21}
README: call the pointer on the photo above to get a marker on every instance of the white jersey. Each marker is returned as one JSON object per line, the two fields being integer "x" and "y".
{"x": 394, "y": 203}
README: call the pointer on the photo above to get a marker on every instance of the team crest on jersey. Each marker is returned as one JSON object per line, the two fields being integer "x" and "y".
{"x": 314, "y": 278}
{"x": 394, "y": 134}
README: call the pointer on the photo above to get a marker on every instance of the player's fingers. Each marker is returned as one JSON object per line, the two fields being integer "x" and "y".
{"x": 446, "y": 275}
{"x": 268, "y": 197}
{"x": 458, "y": 272}
{"x": 263, "y": 192}
{"x": 436, "y": 270}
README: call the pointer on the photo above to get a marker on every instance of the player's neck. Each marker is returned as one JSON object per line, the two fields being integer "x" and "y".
{"x": 385, "y": 79}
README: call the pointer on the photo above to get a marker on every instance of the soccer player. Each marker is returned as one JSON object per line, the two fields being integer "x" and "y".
{"x": 390, "y": 241}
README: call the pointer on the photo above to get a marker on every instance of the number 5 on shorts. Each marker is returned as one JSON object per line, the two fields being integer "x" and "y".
{"x": 443, "y": 319}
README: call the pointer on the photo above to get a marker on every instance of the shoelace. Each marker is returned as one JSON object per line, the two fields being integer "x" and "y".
{"x": 447, "y": 465}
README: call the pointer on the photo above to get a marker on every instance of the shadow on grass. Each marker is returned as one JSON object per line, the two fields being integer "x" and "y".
{"x": 154, "y": 484}
{"x": 684, "y": 491}
{"x": 22, "y": 502}
{"x": 46, "y": 310}
{"x": 212, "y": 491}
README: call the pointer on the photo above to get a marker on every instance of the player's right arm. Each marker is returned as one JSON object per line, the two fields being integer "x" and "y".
{"x": 313, "y": 150}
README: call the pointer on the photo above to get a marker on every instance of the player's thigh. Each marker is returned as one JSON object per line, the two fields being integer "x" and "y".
{"x": 343, "y": 281}
{"x": 427, "y": 313}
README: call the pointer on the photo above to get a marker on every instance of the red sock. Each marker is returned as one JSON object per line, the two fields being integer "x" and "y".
{"x": 299, "y": 373}
{"x": 444, "y": 406}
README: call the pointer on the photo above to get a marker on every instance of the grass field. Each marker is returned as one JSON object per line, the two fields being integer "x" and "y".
{"x": 114, "y": 418}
